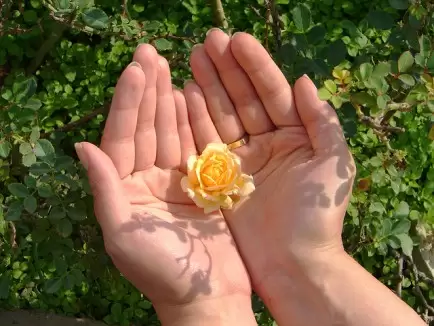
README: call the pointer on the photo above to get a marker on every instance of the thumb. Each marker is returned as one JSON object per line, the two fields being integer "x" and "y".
{"x": 111, "y": 207}
{"x": 318, "y": 117}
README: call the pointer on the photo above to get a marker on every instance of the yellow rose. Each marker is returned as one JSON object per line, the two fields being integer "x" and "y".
{"x": 215, "y": 180}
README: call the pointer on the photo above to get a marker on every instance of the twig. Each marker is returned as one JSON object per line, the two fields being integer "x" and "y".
{"x": 275, "y": 23}
{"x": 125, "y": 12}
{"x": 72, "y": 125}
{"x": 45, "y": 48}
{"x": 400, "y": 275}
{"x": 13, "y": 30}
{"x": 219, "y": 14}
{"x": 13, "y": 236}
{"x": 417, "y": 289}
{"x": 377, "y": 126}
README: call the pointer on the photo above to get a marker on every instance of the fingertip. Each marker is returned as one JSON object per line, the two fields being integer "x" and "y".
{"x": 145, "y": 53}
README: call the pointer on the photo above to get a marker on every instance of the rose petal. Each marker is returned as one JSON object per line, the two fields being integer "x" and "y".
{"x": 246, "y": 184}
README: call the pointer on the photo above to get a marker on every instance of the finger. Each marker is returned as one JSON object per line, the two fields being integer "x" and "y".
{"x": 203, "y": 128}
{"x": 168, "y": 146}
{"x": 270, "y": 83}
{"x": 238, "y": 85}
{"x": 111, "y": 207}
{"x": 145, "y": 138}
{"x": 118, "y": 137}
{"x": 188, "y": 147}
{"x": 220, "y": 107}
{"x": 320, "y": 120}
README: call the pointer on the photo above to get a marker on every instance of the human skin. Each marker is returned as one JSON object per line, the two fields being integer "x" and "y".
{"x": 284, "y": 239}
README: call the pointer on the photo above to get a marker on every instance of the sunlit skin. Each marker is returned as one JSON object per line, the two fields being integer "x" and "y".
{"x": 186, "y": 262}
{"x": 149, "y": 135}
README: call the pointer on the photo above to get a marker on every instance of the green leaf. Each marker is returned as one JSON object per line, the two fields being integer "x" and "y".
{"x": 40, "y": 168}
{"x": 331, "y": 86}
{"x": 30, "y": 181}
{"x": 29, "y": 159}
{"x": 77, "y": 213}
{"x": 43, "y": 148}
{"x": 366, "y": 70}
{"x": 376, "y": 207}
{"x": 82, "y": 4}
{"x": 95, "y": 18}
{"x": 14, "y": 211}
{"x": 35, "y": 135}
{"x": 425, "y": 46}
{"x": 7, "y": 94}
{"x": 402, "y": 226}
{"x": 336, "y": 53}
{"x": 5, "y": 148}
{"x": 406, "y": 244}
{"x": 316, "y": 34}
{"x": 337, "y": 101}
{"x": 402, "y": 210}
{"x": 18, "y": 189}
{"x": 430, "y": 62}
{"x": 45, "y": 191}
{"x": 386, "y": 227}
{"x": 138, "y": 7}
{"x": 380, "y": 20}
{"x": 407, "y": 79}
{"x": 70, "y": 76}
{"x": 382, "y": 101}
{"x": 30, "y": 204}
{"x": 33, "y": 104}
{"x": 56, "y": 213}
{"x": 24, "y": 89}
{"x": 381, "y": 70}
{"x": 405, "y": 61}
{"x": 64, "y": 227}
{"x": 302, "y": 17}
{"x": 324, "y": 94}
{"x": 163, "y": 45}
{"x": 399, "y": 4}
{"x": 53, "y": 285}
{"x": 25, "y": 148}
{"x": 4, "y": 286}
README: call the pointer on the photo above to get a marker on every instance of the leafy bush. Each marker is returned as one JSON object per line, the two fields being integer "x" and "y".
{"x": 59, "y": 62}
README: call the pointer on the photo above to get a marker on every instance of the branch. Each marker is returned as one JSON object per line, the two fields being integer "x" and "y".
{"x": 72, "y": 125}
{"x": 13, "y": 30}
{"x": 219, "y": 14}
{"x": 400, "y": 275}
{"x": 125, "y": 12}
{"x": 275, "y": 23}
{"x": 45, "y": 48}
{"x": 377, "y": 126}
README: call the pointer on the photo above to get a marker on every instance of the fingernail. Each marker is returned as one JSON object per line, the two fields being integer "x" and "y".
{"x": 81, "y": 155}
{"x": 196, "y": 46}
{"x": 233, "y": 35}
{"x": 135, "y": 64}
{"x": 187, "y": 81}
{"x": 306, "y": 76}
{"x": 212, "y": 29}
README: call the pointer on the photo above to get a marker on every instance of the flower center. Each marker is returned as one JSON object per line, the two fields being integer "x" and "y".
{"x": 213, "y": 172}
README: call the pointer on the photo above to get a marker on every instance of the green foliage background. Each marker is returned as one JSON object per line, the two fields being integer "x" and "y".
{"x": 59, "y": 62}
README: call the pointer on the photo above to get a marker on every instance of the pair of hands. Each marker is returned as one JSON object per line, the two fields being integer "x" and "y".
{"x": 183, "y": 260}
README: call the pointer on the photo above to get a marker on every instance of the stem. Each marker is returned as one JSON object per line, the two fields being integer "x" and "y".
{"x": 219, "y": 14}
{"x": 79, "y": 122}
{"x": 45, "y": 48}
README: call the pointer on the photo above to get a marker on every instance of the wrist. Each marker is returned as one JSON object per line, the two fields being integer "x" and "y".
{"x": 297, "y": 292}
{"x": 233, "y": 310}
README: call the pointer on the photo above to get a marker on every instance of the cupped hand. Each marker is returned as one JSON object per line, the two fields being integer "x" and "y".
{"x": 302, "y": 168}
{"x": 155, "y": 235}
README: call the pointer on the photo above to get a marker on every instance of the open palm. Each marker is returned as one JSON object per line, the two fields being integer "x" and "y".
{"x": 301, "y": 165}
{"x": 155, "y": 235}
